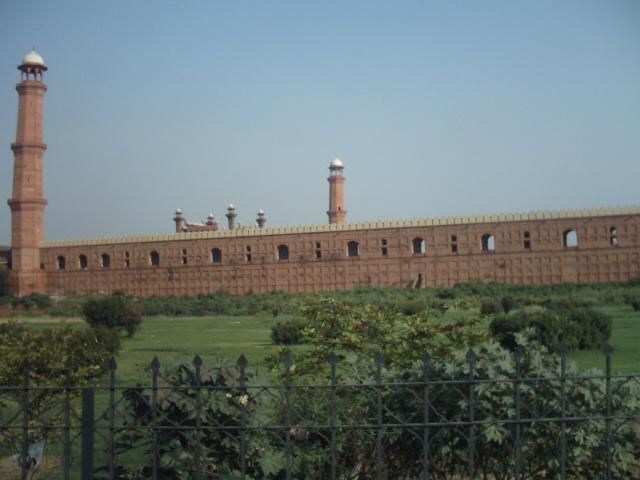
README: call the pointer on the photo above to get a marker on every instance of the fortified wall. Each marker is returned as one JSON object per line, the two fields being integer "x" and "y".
{"x": 532, "y": 248}
{"x": 535, "y": 248}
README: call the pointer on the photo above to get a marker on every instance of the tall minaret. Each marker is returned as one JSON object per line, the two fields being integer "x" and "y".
{"x": 336, "y": 211}
{"x": 27, "y": 203}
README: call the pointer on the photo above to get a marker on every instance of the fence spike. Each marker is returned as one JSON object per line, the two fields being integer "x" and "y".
{"x": 155, "y": 363}
{"x": 608, "y": 350}
{"x": 471, "y": 356}
{"x": 197, "y": 361}
{"x": 379, "y": 359}
{"x": 562, "y": 349}
{"x": 332, "y": 358}
{"x": 242, "y": 361}
{"x": 287, "y": 360}
{"x": 113, "y": 364}
{"x": 426, "y": 358}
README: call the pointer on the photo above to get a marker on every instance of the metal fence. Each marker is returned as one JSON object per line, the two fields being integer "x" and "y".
{"x": 427, "y": 422}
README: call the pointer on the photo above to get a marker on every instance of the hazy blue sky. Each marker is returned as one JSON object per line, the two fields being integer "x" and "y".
{"x": 435, "y": 108}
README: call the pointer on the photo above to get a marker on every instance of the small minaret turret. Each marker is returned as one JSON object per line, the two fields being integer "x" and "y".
{"x": 231, "y": 216}
{"x": 27, "y": 202}
{"x": 261, "y": 220}
{"x": 211, "y": 221}
{"x": 181, "y": 222}
{"x": 337, "y": 212}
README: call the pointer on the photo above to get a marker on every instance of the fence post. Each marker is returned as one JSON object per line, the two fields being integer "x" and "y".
{"x": 87, "y": 427}
{"x": 426, "y": 365}
{"x": 155, "y": 367}
{"x": 518, "y": 439}
{"x": 112, "y": 414}
{"x": 288, "y": 362}
{"x": 67, "y": 419}
{"x": 379, "y": 362}
{"x": 563, "y": 412}
{"x": 25, "y": 462}
{"x": 607, "y": 353}
{"x": 333, "y": 360}
{"x": 197, "y": 363}
{"x": 471, "y": 358}
{"x": 242, "y": 365}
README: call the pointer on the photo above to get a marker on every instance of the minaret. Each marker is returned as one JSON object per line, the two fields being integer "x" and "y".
{"x": 231, "y": 216}
{"x": 260, "y": 219}
{"x": 27, "y": 202}
{"x": 181, "y": 222}
{"x": 336, "y": 211}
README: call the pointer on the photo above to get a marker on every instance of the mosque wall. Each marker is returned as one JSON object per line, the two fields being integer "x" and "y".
{"x": 317, "y": 258}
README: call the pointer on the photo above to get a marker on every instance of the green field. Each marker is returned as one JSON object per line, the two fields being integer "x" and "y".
{"x": 175, "y": 339}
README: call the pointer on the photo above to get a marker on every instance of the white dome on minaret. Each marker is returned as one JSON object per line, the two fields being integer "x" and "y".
{"x": 337, "y": 163}
{"x": 33, "y": 58}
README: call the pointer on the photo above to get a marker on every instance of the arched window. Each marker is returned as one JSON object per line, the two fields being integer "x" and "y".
{"x": 184, "y": 256}
{"x": 154, "y": 258}
{"x": 613, "y": 236}
{"x": 82, "y": 262}
{"x": 570, "y": 238}
{"x": 488, "y": 242}
{"x": 216, "y": 255}
{"x": 384, "y": 247}
{"x": 247, "y": 254}
{"x": 454, "y": 244}
{"x": 527, "y": 240}
{"x": 127, "y": 260}
{"x": 62, "y": 263}
{"x": 419, "y": 246}
{"x": 353, "y": 249}
{"x": 283, "y": 253}
{"x": 105, "y": 261}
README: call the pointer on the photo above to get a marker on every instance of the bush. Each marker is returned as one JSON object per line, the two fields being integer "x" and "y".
{"x": 116, "y": 312}
{"x": 32, "y": 300}
{"x": 490, "y": 307}
{"x": 288, "y": 332}
{"x": 508, "y": 303}
{"x": 579, "y": 328}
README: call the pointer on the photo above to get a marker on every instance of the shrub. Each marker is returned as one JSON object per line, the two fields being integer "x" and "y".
{"x": 490, "y": 307}
{"x": 579, "y": 328}
{"x": 507, "y": 304}
{"x": 288, "y": 332}
{"x": 116, "y": 312}
{"x": 32, "y": 300}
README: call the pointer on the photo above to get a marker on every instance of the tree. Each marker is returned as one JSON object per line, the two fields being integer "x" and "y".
{"x": 116, "y": 312}
{"x": 50, "y": 360}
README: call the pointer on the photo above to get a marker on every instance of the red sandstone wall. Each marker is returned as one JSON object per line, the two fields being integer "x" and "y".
{"x": 548, "y": 261}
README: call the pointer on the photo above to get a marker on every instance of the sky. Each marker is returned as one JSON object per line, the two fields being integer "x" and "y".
{"x": 436, "y": 108}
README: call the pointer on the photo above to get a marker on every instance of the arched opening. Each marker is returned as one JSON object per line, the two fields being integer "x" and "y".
{"x": 184, "y": 256}
{"x": 353, "y": 249}
{"x": 384, "y": 247}
{"x": 83, "y": 262}
{"x": 613, "y": 236}
{"x": 488, "y": 242}
{"x": 105, "y": 261}
{"x": 570, "y": 238}
{"x": 283, "y": 253}
{"x": 216, "y": 255}
{"x": 127, "y": 260}
{"x": 454, "y": 244}
{"x": 247, "y": 254}
{"x": 419, "y": 246}
{"x": 527, "y": 240}
{"x": 62, "y": 263}
{"x": 154, "y": 258}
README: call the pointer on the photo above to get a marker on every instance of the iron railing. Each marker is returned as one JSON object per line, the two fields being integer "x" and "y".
{"x": 428, "y": 424}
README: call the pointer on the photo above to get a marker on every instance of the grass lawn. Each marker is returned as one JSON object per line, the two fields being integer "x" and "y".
{"x": 175, "y": 339}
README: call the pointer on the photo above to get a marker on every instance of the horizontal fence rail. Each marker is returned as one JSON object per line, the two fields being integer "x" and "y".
{"x": 221, "y": 421}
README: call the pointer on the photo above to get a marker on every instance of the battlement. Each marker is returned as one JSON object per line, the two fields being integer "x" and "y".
{"x": 356, "y": 226}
